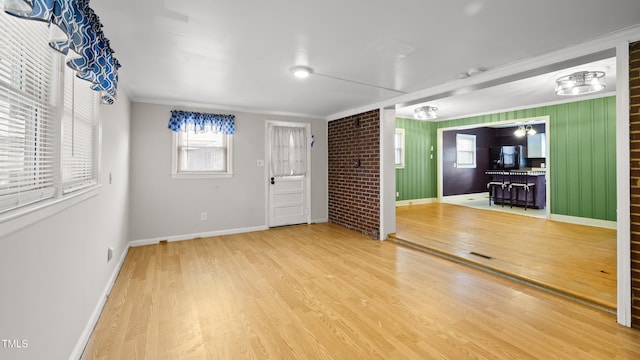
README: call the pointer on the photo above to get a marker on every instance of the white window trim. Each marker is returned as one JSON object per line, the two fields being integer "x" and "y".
{"x": 23, "y": 216}
{"x": 175, "y": 174}
{"x": 402, "y": 161}
{"x": 475, "y": 161}
{"x": 13, "y": 220}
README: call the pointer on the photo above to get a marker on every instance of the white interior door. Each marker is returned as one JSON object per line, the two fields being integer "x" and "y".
{"x": 288, "y": 173}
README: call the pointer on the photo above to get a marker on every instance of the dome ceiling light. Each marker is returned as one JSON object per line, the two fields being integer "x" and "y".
{"x": 301, "y": 72}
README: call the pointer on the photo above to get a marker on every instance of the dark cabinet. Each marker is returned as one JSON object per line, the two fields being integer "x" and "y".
{"x": 536, "y": 198}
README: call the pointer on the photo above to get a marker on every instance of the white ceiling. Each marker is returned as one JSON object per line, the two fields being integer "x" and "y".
{"x": 519, "y": 94}
{"x": 237, "y": 54}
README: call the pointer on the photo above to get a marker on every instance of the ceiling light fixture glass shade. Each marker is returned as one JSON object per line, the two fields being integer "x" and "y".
{"x": 301, "y": 72}
{"x": 425, "y": 112}
{"x": 582, "y": 82}
{"x": 524, "y": 130}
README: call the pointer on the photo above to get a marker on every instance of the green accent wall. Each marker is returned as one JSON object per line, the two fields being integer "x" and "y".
{"x": 582, "y": 156}
{"x": 418, "y": 179}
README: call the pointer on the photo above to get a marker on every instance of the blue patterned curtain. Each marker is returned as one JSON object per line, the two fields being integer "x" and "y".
{"x": 201, "y": 122}
{"x": 75, "y": 30}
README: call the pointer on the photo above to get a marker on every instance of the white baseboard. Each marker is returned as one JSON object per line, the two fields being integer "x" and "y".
{"x": 143, "y": 242}
{"x": 319, "y": 221}
{"x": 464, "y": 197}
{"x": 95, "y": 315}
{"x": 416, "y": 202}
{"x": 584, "y": 221}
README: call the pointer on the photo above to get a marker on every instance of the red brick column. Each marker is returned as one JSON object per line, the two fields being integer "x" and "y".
{"x": 634, "y": 121}
{"x": 354, "y": 172}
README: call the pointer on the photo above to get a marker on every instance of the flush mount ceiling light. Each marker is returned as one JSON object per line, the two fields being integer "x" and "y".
{"x": 301, "y": 72}
{"x": 524, "y": 130}
{"x": 582, "y": 82}
{"x": 425, "y": 112}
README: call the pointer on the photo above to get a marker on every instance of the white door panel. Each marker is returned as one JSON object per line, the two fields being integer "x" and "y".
{"x": 288, "y": 195}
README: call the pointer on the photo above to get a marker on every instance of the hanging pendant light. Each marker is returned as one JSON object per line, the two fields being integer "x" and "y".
{"x": 582, "y": 82}
{"x": 524, "y": 130}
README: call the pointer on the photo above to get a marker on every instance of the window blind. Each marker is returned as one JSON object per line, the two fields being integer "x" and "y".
{"x": 79, "y": 128}
{"x": 202, "y": 152}
{"x": 27, "y": 126}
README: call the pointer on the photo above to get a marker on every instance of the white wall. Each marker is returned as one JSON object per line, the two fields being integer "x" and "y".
{"x": 166, "y": 208}
{"x": 54, "y": 271}
{"x": 387, "y": 172}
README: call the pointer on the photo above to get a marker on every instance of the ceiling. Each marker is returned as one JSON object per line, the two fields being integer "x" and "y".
{"x": 236, "y": 55}
{"x": 511, "y": 95}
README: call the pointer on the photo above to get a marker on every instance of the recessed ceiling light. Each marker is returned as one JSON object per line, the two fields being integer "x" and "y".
{"x": 301, "y": 72}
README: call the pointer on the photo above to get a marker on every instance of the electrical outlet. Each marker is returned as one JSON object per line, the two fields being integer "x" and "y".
{"x": 109, "y": 254}
{"x": 397, "y": 194}
{"x": 203, "y": 216}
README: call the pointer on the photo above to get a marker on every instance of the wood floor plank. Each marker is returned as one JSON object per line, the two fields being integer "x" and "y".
{"x": 323, "y": 292}
{"x": 576, "y": 259}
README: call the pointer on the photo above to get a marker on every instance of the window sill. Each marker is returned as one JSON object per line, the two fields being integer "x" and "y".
{"x": 194, "y": 176}
{"x": 20, "y": 218}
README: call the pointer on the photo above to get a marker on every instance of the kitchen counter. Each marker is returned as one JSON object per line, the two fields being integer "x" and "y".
{"x": 534, "y": 199}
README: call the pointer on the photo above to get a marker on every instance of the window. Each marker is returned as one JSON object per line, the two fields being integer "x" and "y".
{"x": 205, "y": 154}
{"x": 399, "y": 148}
{"x": 46, "y": 149}
{"x": 466, "y": 150}
{"x": 288, "y": 153}
{"x": 27, "y": 116}
{"x": 79, "y": 131}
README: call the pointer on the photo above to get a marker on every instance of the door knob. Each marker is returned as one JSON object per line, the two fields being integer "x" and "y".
{"x": 273, "y": 180}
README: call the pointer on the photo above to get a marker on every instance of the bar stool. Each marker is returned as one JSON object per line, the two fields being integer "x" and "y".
{"x": 499, "y": 180}
{"x": 519, "y": 181}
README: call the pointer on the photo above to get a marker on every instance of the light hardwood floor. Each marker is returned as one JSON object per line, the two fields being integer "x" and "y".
{"x": 323, "y": 292}
{"x": 575, "y": 259}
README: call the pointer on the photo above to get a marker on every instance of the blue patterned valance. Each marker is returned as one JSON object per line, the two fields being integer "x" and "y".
{"x": 201, "y": 122}
{"x": 75, "y": 30}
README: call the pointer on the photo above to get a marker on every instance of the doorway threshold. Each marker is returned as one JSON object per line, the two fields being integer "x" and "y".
{"x": 514, "y": 277}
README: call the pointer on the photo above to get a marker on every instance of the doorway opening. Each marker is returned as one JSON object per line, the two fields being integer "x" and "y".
{"x": 468, "y": 186}
{"x": 288, "y": 173}
{"x": 467, "y": 231}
